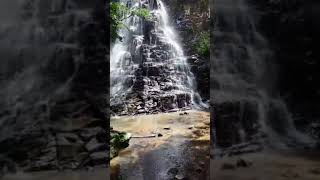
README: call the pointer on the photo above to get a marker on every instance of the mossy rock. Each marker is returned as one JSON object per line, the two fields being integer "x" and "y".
{"x": 118, "y": 141}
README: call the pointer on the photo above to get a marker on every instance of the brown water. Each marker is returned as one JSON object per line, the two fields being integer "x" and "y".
{"x": 182, "y": 150}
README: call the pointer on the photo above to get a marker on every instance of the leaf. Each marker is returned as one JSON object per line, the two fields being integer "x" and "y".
{"x": 119, "y": 12}
{"x": 142, "y": 12}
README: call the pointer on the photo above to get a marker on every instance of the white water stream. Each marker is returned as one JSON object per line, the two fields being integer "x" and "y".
{"x": 127, "y": 55}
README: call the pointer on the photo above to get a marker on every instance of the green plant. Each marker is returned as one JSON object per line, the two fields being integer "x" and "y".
{"x": 119, "y": 12}
{"x": 202, "y": 45}
{"x": 118, "y": 141}
{"x": 141, "y": 12}
{"x": 204, "y": 4}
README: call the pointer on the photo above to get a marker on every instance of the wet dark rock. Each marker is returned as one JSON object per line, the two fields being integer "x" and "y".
{"x": 243, "y": 163}
{"x": 228, "y": 166}
{"x": 190, "y": 20}
{"x": 199, "y": 170}
{"x": 45, "y": 128}
{"x": 102, "y": 135}
{"x": 88, "y": 133}
{"x": 93, "y": 145}
{"x": 296, "y": 55}
{"x": 68, "y": 138}
{"x": 173, "y": 171}
{"x": 315, "y": 171}
{"x": 229, "y": 121}
{"x": 70, "y": 151}
{"x": 155, "y": 78}
{"x": 290, "y": 174}
{"x": 96, "y": 123}
{"x": 98, "y": 158}
{"x": 43, "y": 164}
{"x": 7, "y": 166}
{"x": 243, "y": 148}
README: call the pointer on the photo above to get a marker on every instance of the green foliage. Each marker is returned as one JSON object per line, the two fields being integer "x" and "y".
{"x": 204, "y": 5}
{"x": 141, "y": 12}
{"x": 202, "y": 45}
{"x": 118, "y": 141}
{"x": 119, "y": 12}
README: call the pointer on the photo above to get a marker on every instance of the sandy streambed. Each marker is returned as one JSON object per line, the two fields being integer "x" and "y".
{"x": 94, "y": 174}
{"x": 164, "y": 146}
{"x": 268, "y": 165}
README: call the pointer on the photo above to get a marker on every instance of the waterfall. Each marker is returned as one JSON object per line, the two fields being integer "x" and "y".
{"x": 149, "y": 71}
{"x": 243, "y": 71}
{"x": 39, "y": 50}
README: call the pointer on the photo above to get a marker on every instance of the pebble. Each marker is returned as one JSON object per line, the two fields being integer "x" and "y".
{"x": 179, "y": 176}
{"x": 202, "y": 163}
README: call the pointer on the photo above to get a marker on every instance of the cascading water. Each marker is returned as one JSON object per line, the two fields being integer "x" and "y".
{"x": 50, "y": 52}
{"x": 244, "y": 74}
{"x": 39, "y": 51}
{"x": 149, "y": 71}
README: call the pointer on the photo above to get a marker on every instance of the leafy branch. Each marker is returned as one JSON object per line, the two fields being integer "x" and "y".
{"x": 202, "y": 45}
{"x": 119, "y": 13}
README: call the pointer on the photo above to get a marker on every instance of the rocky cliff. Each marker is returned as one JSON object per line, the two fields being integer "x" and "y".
{"x": 191, "y": 19}
{"x": 251, "y": 89}
{"x": 150, "y": 66}
{"x": 53, "y": 85}
{"x": 292, "y": 28}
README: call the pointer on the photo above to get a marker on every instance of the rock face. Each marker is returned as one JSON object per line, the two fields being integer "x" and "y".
{"x": 50, "y": 106}
{"x": 294, "y": 36}
{"x": 238, "y": 98}
{"x": 155, "y": 75}
{"x": 191, "y": 20}
{"x": 245, "y": 90}
{"x": 237, "y": 122}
